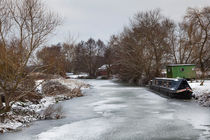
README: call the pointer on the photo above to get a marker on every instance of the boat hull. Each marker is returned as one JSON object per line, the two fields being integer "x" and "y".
{"x": 186, "y": 94}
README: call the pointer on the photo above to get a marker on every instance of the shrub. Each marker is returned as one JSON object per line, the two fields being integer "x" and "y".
{"x": 52, "y": 88}
{"x": 53, "y": 112}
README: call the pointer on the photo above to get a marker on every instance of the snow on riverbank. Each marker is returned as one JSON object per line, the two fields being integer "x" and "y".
{"x": 22, "y": 113}
{"x": 199, "y": 90}
{"x": 74, "y": 76}
{"x": 72, "y": 83}
{"x": 202, "y": 93}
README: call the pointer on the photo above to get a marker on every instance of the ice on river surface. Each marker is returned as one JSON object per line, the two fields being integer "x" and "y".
{"x": 113, "y": 111}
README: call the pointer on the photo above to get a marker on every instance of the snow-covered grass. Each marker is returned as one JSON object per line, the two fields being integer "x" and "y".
{"x": 71, "y": 83}
{"x": 199, "y": 90}
{"x": 202, "y": 93}
{"x": 76, "y": 76}
{"x": 23, "y": 113}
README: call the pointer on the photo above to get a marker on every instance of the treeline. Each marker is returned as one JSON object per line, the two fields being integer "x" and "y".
{"x": 71, "y": 57}
{"x": 141, "y": 50}
{"x": 152, "y": 40}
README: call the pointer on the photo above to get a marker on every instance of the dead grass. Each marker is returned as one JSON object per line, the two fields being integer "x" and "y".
{"x": 53, "y": 112}
{"x": 53, "y": 88}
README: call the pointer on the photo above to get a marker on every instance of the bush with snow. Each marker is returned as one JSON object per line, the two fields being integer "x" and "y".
{"x": 52, "y": 88}
{"x": 68, "y": 88}
{"x": 52, "y": 112}
{"x": 40, "y": 105}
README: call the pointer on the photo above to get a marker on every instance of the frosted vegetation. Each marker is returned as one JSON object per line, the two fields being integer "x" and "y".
{"x": 51, "y": 92}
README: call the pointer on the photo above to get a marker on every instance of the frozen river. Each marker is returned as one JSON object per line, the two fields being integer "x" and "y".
{"x": 111, "y": 111}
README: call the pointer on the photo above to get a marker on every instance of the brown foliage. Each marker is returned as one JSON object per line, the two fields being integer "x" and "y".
{"x": 51, "y": 88}
{"x": 143, "y": 48}
{"x": 53, "y": 112}
{"x": 89, "y": 56}
{"x": 198, "y": 21}
{"x": 32, "y": 23}
{"x": 54, "y": 60}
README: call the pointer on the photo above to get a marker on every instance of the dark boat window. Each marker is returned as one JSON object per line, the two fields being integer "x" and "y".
{"x": 164, "y": 83}
{"x": 159, "y": 83}
{"x": 154, "y": 82}
{"x": 169, "y": 84}
{"x": 174, "y": 84}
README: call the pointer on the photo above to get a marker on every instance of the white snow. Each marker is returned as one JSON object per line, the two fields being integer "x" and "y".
{"x": 76, "y": 76}
{"x": 104, "y": 67}
{"x": 39, "y": 85}
{"x": 199, "y": 90}
{"x": 20, "y": 121}
{"x": 70, "y": 83}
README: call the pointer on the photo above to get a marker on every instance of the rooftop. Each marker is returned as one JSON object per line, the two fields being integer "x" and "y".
{"x": 181, "y": 65}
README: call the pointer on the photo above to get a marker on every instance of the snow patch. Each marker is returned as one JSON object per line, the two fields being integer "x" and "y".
{"x": 76, "y": 76}
{"x": 199, "y": 90}
{"x": 39, "y": 85}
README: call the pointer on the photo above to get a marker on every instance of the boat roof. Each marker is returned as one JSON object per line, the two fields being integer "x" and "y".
{"x": 177, "y": 80}
{"x": 171, "y": 79}
{"x": 181, "y": 65}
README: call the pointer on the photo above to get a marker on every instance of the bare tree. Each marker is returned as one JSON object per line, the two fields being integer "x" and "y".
{"x": 79, "y": 64}
{"x": 53, "y": 59}
{"x": 89, "y": 56}
{"x": 199, "y": 35}
{"x": 24, "y": 26}
{"x": 181, "y": 48}
{"x": 144, "y": 47}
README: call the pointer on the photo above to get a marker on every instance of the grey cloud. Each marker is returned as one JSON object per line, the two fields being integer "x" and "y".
{"x": 102, "y": 18}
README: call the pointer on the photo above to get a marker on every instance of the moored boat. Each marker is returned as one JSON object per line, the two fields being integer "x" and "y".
{"x": 172, "y": 87}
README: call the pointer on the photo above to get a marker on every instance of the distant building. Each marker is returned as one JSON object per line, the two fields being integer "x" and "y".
{"x": 186, "y": 71}
{"x": 102, "y": 71}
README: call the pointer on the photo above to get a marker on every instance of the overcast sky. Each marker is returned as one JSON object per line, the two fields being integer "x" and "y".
{"x": 103, "y": 18}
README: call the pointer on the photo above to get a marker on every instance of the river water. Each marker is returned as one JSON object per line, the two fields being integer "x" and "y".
{"x": 113, "y": 111}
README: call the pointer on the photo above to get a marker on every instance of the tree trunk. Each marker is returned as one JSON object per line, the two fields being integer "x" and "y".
{"x": 1, "y": 105}
{"x": 7, "y": 103}
{"x": 203, "y": 72}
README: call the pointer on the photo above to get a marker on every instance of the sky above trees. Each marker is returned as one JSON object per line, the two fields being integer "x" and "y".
{"x": 102, "y": 18}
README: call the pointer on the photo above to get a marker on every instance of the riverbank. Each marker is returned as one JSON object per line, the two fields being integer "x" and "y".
{"x": 51, "y": 92}
{"x": 202, "y": 93}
